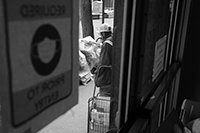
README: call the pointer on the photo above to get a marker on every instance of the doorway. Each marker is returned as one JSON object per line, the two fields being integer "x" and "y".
{"x": 75, "y": 120}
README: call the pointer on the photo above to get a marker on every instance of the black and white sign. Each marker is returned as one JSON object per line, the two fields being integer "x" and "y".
{"x": 41, "y": 61}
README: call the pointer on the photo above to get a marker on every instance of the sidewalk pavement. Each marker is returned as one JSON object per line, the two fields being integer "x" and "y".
{"x": 74, "y": 120}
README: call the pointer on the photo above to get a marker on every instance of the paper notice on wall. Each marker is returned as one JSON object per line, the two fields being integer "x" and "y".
{"x": 159, "y": 57}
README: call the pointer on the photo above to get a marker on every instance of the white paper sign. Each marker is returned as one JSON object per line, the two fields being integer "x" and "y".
{"x": 159, "y": 57}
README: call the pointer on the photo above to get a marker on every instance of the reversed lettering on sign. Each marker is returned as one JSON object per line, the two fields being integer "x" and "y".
{"x": 48, "y": 99}
{"x": 52, "y": 84}
{"x": 39, "y": 97}
{"x": 33, "y": 92}
{"x": 45, "y": 87}
{"x": 30, "y": 11}
{"x": 46, "y": 93}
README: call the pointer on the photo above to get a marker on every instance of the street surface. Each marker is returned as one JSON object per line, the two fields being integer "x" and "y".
{"x": 75, "y": 120}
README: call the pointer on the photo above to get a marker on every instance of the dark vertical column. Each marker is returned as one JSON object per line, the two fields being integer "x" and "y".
{"x": 103, "y": 7}
{"x": 189, "y": 87}
{"x": 117, "y": 45}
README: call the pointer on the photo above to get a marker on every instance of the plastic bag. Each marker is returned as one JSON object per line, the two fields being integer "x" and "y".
{"x": 84, "y": 71}
{"x": 83, "y": 65}
{"x": 91, "y": 50}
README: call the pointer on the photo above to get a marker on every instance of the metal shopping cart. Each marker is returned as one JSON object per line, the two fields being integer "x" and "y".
{"x": 99, "y": 108}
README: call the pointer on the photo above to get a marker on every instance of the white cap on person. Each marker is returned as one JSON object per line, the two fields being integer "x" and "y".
{"x": 105, "y": 28}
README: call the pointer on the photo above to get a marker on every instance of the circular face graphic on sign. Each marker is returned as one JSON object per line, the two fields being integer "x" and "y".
{"x": 45, "y": 49}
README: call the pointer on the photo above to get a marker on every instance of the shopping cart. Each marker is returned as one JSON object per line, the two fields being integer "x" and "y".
{"x": 99, "y": 109}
